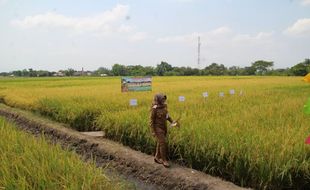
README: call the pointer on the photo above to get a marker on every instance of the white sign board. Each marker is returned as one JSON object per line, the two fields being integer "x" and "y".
{"x": 232, "y": 92}
{"x": 133, "y": 102}
{"x": 205, "y": 94}
{"x": 181, "y": 98}
{"x": 221, "y": 94}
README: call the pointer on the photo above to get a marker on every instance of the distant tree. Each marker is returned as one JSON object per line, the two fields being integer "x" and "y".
{"x": 301, "y": 69}
{"x": 18, "y": 73}
{"x": 4, "y": 74}
{"x": 69, "y": 72}
{"x": 32, "y": 73}
{"x": 162, "y": 68}
{"x": 149, "y": 71}
{"x": 42, "y": 73}
{"x": 278, "y": 72}
{"x": 248, "y": 71}
{"x": 171, "y": 73}
{"x": 216, "y": 69}
{"x": 188, "y": 71}
{"x": 25, "y": 73}
{"x": 261, "y": 66}
{"x": 135, "y": 70}
{"x": 131, "y": 70}
{"x": 177, "y": 71}
{"x": 234, "y": 71}
{"x": 119, "y": 70}
{"x": 103, "y": 70}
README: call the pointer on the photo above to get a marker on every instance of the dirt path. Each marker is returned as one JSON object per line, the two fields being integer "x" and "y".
{"x": 134, "y": 165}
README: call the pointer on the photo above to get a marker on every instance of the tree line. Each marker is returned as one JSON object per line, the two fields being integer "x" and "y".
{"x": 260, "y": 67}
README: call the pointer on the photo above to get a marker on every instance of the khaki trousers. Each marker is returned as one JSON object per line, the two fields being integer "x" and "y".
{"x": 161, "y": 146}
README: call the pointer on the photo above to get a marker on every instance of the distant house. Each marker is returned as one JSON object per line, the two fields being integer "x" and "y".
{"x": 77, "y": 73}
{"x": 103, "y": 75}
{"x": 82, "y": 73}
{"x": 59, "y": 74}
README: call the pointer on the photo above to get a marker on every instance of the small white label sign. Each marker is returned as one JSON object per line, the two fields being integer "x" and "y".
{"x": 205, "y": 94}
{"x": 133, "y": 102}
{"x": 181, "y": 98}
{"x": 232, "y": 92}
{"x": 221, "y": 94}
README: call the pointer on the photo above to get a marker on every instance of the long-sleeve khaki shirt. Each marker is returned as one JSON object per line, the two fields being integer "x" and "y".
{"x": 159, "y": 117}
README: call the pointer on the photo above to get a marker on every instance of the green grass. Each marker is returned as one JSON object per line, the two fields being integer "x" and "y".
{"x": 256, "y": 139}
{"x": 31, "y": 163}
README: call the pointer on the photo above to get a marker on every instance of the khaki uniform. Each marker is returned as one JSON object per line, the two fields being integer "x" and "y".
{"x": 159, "y": 117}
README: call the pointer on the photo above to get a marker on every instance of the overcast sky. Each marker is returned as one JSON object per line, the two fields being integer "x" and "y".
{"x": 61, "y": 34}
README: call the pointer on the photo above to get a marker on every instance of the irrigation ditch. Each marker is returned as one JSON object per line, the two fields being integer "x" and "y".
{"x": 134, "y": 166}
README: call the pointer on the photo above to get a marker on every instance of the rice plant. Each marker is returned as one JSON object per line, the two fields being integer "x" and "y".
{"x": 31, "y": 163}
{"x": 253, "y": 138}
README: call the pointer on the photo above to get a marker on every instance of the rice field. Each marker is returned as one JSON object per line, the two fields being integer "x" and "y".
{"x": 31, "y": 163}
{"x": 254, "y": 138}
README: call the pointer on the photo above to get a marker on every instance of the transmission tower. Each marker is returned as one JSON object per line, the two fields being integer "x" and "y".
{"x": 198, "y": 58}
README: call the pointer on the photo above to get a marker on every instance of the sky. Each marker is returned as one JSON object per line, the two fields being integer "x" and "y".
{"x": 61, "y": 34}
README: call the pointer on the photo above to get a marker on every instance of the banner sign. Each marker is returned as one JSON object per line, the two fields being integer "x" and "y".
{"x": 136, "y": 84}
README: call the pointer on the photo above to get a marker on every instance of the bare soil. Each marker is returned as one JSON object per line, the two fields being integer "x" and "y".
{"x": 135, "y": 166}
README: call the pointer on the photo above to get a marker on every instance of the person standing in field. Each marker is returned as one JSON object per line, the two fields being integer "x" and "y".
{"x": 158, "y": 124}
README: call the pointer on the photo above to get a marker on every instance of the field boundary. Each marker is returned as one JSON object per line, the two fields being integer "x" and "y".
{"x": 125, "y": 161}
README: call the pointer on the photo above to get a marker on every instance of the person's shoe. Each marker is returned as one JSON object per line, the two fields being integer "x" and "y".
{"x": 166, "y": 164}
{"x": 158, "y": 160}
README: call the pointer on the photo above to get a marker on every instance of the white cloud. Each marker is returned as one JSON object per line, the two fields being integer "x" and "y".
{"x": 305, "y": 2}
{"x": 184, "y": 1}
{"x": 221, "y": 31}
{"x": 221, "y": 37}
{"x": 261, "y": 37}
{"x": 300, "y": 28}
{"x": 224, "y": 45}
{"x": 192, "y": 38}
{"x": 179, "y": 38}
{"x": 106, "y": 22}
{"x": 139, "y": 36}
{"x": 3, "y": 2}
{"x": 125, "y": 29}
